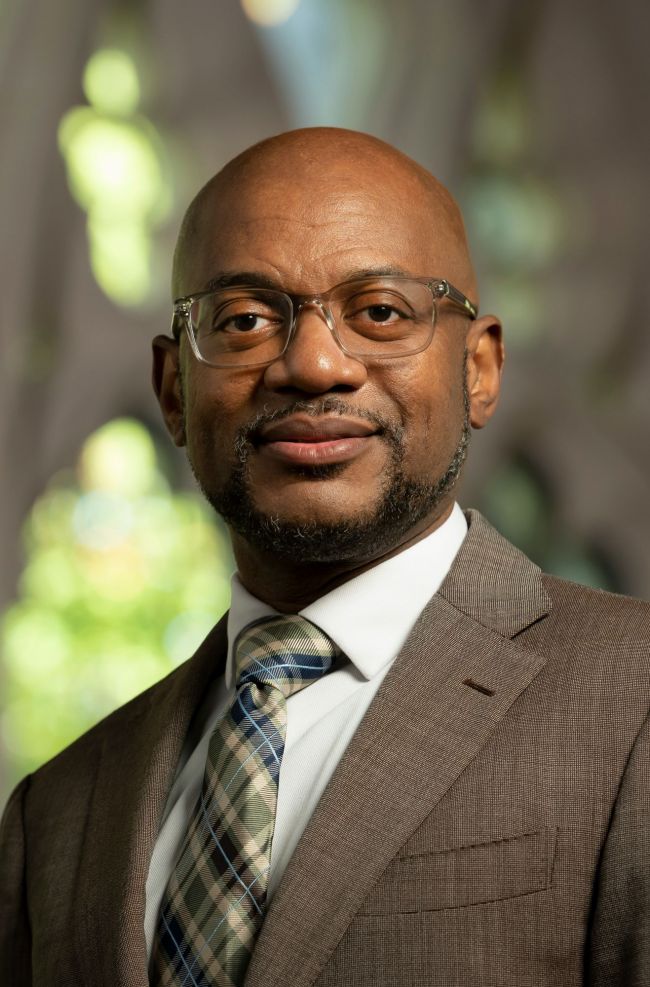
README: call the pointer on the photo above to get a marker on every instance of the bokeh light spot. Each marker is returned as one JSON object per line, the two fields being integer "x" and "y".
{"x": 102, "y": 520}
{"x": 115, "y": 172}
{"x": 185, "y": 633}
{"x": 110, "y": 82}
{"x": 119, "y": 458}
{"x": 517, "y": 224}
{"x": 268, "y": 13}
{"x": 514, "y": 501}
{"x": 35, "y": 643}
{"x": 112, "y": 166}
{"x": 120, "y": 256}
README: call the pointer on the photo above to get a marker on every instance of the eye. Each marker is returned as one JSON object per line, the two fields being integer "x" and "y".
{"x": 245, "y": 323}
{"x": 381, "y": 313}
{"x": 241, "y": 316}
{"x": 378, "y": 308}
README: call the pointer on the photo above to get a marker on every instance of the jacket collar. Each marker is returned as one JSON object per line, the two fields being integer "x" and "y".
{"x": 493, "y": 583}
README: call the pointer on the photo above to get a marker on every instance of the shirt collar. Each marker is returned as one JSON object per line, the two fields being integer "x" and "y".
{"x": 369, "y": 617}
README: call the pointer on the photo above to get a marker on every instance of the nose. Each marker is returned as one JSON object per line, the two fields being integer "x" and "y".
{"x": 314, "y": 362}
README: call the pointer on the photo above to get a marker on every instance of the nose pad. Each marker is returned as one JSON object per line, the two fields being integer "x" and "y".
{"x": 324, "y": 314}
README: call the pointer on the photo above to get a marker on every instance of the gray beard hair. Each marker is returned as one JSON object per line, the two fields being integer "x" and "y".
{"x": 404, "y": 502}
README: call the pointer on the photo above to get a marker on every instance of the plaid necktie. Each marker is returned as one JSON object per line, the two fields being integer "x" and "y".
{"x": 214, "y": 903}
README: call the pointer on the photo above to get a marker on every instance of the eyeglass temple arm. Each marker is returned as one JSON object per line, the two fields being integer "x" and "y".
{"x": 180, "y": 312}
{"x": 445, "y": 290}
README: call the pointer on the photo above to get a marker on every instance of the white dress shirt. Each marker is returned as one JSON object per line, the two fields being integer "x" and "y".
{"x": 369, "y": 617}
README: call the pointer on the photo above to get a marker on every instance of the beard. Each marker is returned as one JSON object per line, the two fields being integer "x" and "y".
{"x": 404, "y": 502}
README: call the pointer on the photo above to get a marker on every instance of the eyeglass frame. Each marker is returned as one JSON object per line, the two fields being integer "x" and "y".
{"x": 440, "y": 289}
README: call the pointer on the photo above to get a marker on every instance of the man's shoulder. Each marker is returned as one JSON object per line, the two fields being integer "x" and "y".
{"x": 79, "y": 758}
{"x": 138, "y": 721}
{"x": 65, "y": 782}
{"x": 499, "y": 586}
{"x": 607, "y": 621}
{"x": 626, "y": 613}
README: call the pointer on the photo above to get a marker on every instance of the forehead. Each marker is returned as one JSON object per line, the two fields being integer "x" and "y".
{"x": 309, "y": 232}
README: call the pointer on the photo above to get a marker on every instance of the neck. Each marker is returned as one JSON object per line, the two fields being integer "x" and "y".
{"x": 289, "y": 586}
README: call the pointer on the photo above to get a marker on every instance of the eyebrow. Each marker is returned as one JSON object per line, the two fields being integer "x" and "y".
{"x": 257, "y": 280}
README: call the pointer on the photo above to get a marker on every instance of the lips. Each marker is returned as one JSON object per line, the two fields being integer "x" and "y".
{"x": 298, "y": 429}
{"x": 317, "y": 441}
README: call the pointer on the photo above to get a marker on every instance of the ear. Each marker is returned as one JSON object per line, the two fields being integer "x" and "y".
{"x": 166, "y": 379}
{"x": 485, "y": 356}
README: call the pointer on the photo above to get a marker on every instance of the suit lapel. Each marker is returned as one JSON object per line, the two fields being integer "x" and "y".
{"x": 133, "y": 780}
{"x": 423, "y": 728}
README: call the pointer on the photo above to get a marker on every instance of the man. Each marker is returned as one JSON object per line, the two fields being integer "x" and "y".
{"x": 407, "y": 756}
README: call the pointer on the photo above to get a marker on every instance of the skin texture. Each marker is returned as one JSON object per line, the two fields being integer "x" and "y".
{"x": 309, "y": 209}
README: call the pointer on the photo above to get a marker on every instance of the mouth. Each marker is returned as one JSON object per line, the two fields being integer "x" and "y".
{"x": 305, "y": 441}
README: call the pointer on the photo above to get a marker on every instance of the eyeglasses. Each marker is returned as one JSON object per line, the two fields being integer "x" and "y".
{"x": 376, "y": 318}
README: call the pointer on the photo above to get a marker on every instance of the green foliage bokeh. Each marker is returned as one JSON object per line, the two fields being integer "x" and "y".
{"x": 123, "y": 578}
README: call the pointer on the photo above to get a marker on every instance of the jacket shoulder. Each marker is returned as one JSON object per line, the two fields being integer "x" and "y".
{"x": 182, "y": 686}
{"x": 77, "y": 758}
{"x": 621, "y": 621}
{"x": 500, "y": 587}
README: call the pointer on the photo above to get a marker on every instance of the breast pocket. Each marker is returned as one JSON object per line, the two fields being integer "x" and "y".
{"x": 466, "y": 875}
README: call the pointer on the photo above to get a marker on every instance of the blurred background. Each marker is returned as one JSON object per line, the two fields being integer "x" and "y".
{"x": 113, "y": 113}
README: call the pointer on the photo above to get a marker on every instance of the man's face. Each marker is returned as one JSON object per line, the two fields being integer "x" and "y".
{"x": 321, "y": 455}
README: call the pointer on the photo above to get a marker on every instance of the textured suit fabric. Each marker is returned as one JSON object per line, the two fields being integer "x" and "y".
{"x": 489, "y": 823}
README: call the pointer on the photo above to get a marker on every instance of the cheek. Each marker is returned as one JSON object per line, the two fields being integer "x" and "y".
{"x": 216, "y": 407}
{"x": 430, "y": 399}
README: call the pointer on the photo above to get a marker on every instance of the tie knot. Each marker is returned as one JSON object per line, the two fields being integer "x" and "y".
{"x": 286, "y": 652}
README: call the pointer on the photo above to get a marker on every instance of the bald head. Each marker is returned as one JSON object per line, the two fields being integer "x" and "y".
{"x": 325, "y": 173}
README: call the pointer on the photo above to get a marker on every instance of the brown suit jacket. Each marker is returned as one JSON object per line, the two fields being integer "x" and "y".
{"x": 489, "y": 823}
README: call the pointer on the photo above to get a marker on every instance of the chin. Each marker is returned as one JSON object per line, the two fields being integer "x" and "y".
{"x": 310, "y": 513}
{"x": 322, "y": 533}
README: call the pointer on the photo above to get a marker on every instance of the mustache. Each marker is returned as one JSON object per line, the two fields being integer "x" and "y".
{"x": 249, "y": 433}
